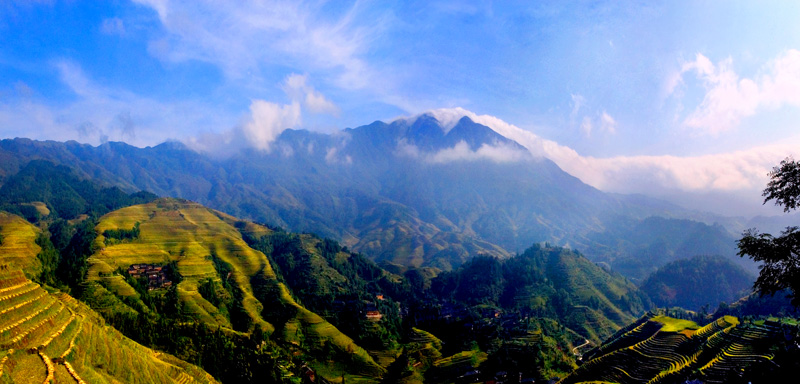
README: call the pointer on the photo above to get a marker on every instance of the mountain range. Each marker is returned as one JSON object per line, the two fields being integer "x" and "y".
{"x": 409, "y": 193}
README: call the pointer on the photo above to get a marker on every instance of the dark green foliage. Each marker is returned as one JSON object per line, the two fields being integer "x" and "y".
{"x": 215, "y": 293}
{"x": 481, "y": 281}
{"x": 338, "y": 285}
{"x": 761, "y": 306}
{"x": 121, "y": 235}
{"x": 542, "y": 281}
{"x": 66, "y": 194}
{"x": 784, "y": 185}
{"x": 780, "y": 256}
{"x": 695, "y": 282}
{"x": 531, "y": 348}
{"x": 49, "y": 258}
{"x": 73, "y": 266}
{"x": 229, "y": 357}
{"x": 267, "y": 291}
{"x": 61, "y": 232}
{"x": 238, "y": 316}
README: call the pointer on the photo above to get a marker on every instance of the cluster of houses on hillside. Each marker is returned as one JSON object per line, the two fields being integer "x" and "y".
{"x": 155, "y": 274}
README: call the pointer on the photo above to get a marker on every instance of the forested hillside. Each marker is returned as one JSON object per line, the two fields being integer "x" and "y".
{"x": 702, "y": 281}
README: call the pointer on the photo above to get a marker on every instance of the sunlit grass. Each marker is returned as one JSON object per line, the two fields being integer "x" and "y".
{"x": 675, "y": 325}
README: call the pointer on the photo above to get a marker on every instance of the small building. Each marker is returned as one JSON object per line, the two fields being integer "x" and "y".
{"x": 373, "y": 316}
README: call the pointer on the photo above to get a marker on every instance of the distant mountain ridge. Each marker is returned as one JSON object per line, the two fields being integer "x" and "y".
{"x": 411, "y": 192}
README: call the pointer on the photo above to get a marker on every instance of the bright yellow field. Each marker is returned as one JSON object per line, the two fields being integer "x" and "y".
{"x": 55, "y": 333}
{"x": 18, "y": 247}
{"x": 675, "y": 325}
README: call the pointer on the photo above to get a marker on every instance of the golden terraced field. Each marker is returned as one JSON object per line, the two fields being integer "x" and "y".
{"x": 187, "y": 233}
{"x": 48, "y": 337}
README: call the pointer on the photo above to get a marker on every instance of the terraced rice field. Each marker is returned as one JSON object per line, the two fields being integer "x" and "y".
{"x": 186, "y": 233}
{"x": 52, "y": 337}
{"x": 662, "y": 349}
{"x": 18, "y": 247}
{"x": 172, "y": 230}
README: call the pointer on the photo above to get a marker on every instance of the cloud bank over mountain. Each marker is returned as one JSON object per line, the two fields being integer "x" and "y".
{"x": 727, "y": 176}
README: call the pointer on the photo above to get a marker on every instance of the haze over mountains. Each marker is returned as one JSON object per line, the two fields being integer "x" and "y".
{"x": 410, "y": 193}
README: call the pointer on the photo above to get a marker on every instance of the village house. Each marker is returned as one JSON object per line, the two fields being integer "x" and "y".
{"x": 155, "y": 274}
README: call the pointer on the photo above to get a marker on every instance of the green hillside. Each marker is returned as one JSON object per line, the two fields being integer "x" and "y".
{"x": 697, "y": 282}
{"x": 661, "y": 349}
{"x": 48, "y": 337}
{"x": 219, "y": 281}
{"x": 550, "y": 282}
{"x": 42, "y": 188}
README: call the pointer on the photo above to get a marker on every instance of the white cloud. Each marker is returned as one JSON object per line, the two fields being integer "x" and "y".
{"x": 499, "y": 153}
{"x": 113, "y": 26}
{"x": 654, "y": 175}
{"x": 297, "y": 88}
{"x": 729, "y": 98}
{"x": 577, "y": 102}
{"x": 586, "y": 126}
{"x": 447, "y": 117}
{"x": 607, "y": 123}
{"x": 462, "y": 152}
{"x": 268, "y": 120}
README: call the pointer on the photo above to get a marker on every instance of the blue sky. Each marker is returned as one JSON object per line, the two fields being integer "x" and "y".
{"x": 705, "y": 95}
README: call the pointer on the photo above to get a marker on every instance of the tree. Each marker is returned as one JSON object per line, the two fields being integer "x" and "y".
{"x": 780, "y": 255}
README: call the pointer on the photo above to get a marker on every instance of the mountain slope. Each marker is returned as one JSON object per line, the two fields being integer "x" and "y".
{"x": 46, "y": 337}
{"x": 547, "y": 282}
{"x": 63, "y": 192}
{"x": 203, "y": 250}
{"x": 699, "y": 281}
{"x": 411, "y": 192}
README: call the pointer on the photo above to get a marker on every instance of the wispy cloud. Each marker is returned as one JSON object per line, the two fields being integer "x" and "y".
{"x": 607, "y": 123}
{"x": 113, "y": 26}
{"x": 97, "y": 113}
{"x": 729, "y": 98}
{"x": 577, "y": 102}
{"x": 603, "y": 123}
{"x": 297, "y": 88}
{"x": 246, "y": 38}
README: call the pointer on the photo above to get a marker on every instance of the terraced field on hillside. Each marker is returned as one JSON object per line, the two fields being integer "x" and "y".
{"x": 197, "y": 240}
{"x": 18, "y": 245}
{"x": 51, "y": 337}
{"x": 660, "y": 349}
